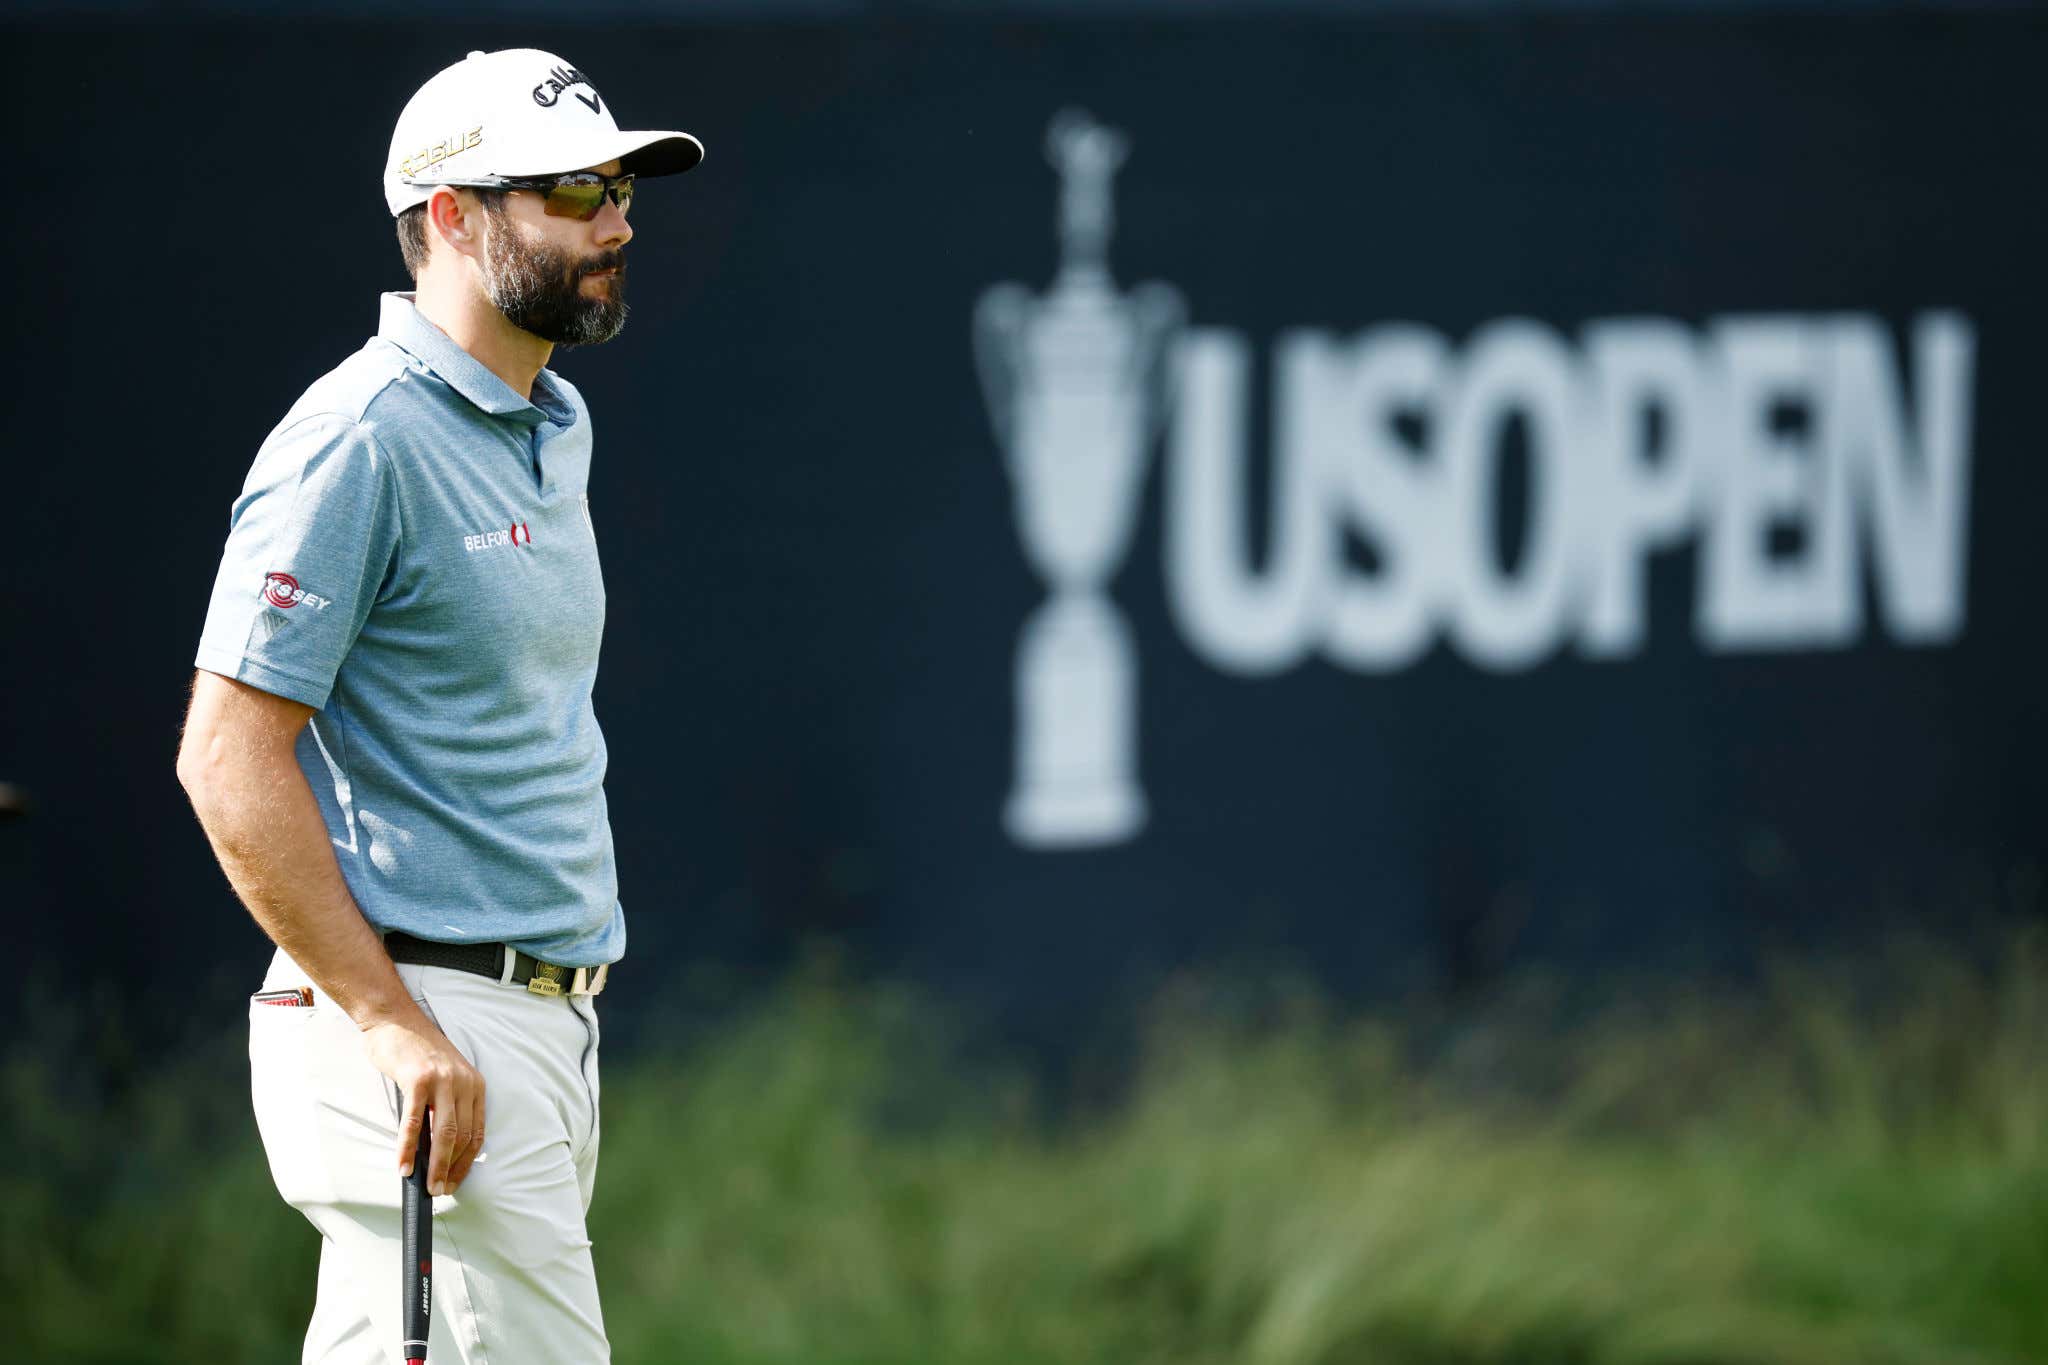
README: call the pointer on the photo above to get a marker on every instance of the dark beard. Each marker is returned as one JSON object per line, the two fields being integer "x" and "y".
{"x": 538, "y": 287}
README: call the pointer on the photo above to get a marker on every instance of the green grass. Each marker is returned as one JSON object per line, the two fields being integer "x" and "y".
{"x": 1822, "y": 1171}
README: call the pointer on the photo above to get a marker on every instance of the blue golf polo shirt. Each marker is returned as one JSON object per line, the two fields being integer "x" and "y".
{"x": 412, "y": 555}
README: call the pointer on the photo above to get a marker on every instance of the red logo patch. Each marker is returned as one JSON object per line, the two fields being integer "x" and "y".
{"x": 520, "y": 533}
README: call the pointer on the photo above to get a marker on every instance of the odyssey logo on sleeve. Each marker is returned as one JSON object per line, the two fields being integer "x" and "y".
{"x": 282, "y": 591}
{"x": 491, "y": 540}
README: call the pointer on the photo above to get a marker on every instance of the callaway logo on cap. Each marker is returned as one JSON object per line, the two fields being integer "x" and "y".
{"x": 520, "y": 112}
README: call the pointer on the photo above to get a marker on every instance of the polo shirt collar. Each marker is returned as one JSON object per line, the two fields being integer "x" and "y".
{"x": 399, "y": 323}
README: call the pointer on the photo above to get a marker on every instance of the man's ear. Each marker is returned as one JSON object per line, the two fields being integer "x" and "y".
{"x": 457, "y": 221}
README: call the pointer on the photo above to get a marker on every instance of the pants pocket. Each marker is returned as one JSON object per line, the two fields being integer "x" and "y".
{"x": 280, "y": 1092}
{"x": 327, "y": 1128}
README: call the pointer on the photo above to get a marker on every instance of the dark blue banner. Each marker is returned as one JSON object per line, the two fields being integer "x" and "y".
{"x": 1077, "y": 500}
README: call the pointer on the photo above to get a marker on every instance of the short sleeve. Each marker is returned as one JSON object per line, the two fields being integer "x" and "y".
{"x": 310, "y": 542}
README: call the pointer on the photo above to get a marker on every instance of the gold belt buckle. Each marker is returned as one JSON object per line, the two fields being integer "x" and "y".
{"x": 546, "y": 979}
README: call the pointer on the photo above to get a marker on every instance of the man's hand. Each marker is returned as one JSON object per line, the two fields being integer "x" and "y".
{"x": 433, "y": 1076}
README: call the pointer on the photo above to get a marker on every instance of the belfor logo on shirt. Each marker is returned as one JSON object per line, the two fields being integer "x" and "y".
{"x": 491, "y": 540}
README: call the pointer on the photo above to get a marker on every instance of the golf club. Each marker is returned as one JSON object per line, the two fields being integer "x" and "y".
{"x": 417, "y": 1272}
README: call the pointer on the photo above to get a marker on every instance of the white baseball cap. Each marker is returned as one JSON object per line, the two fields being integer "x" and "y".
{"x": 519, "y": 112}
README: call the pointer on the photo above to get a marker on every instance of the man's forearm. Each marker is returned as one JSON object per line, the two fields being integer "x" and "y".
{"x": 268, "y": 832}
{"x": 237, "y": 763}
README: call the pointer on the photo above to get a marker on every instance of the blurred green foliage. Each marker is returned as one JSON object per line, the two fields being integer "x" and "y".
{"x": 1827, "y": 1169}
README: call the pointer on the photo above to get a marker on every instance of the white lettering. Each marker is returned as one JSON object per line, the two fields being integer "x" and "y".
{"x": 278, "y": 595}
{"x": 1385, "y": 487}
{"x": 1780, "y": 445}
{"x": 1640, "y": 493}
{"x": 1242, "y": 621}
{"x": 1509, "y": 620}
{"x": 1915, "y": 500}
{"x": 1779, "y": 567}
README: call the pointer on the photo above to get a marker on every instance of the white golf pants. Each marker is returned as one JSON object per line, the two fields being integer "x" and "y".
{"x": 513, "y": 1282}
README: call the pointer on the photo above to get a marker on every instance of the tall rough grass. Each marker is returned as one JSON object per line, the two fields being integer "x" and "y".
{"x": 1825, "y": 1170}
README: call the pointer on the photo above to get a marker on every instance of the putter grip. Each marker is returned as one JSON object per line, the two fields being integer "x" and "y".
{"x": 417, "y": 1235}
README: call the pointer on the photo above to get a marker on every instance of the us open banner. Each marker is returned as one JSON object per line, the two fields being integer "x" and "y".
{"x": 1408, "y": 501}
{"x": 1645, "y": 434}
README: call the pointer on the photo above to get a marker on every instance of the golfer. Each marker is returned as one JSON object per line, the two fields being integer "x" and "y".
{"x": 391, "y": 743}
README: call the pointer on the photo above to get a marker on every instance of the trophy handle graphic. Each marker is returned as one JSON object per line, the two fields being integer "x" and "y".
{"x": 999, "y": 322}
{"x": 1160, "y": 313}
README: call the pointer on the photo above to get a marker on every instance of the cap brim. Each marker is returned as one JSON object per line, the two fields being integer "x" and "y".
{"x": 641, "y": 154}
{"x": 664, "y": 154}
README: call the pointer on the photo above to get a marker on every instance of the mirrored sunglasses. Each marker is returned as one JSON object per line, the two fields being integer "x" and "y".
{"x": 579, "y": 194}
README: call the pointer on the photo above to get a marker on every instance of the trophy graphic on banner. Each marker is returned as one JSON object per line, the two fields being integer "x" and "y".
{"x": 1076, "y": 386}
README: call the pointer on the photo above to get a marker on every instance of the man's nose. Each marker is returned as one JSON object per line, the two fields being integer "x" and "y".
{"x": 612, "y": 228}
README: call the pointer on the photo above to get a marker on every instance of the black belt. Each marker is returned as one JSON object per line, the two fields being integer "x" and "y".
{"x": 488, "y": 959}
